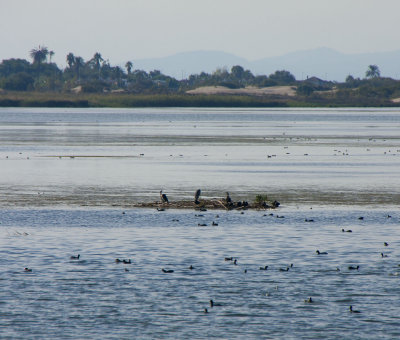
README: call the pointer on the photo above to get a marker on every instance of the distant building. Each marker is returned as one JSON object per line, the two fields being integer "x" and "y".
{"x": 316, "y": 82}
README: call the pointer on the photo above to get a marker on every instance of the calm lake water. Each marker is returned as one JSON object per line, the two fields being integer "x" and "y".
{"x": 69, "y": 178}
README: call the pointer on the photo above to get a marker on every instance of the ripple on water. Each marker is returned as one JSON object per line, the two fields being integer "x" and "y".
{"x": 55, "y": 299}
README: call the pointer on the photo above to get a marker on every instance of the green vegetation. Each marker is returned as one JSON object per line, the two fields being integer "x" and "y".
{"x": 46, "y": 99}
{"x": 96, "y": 83}
{"x": 260, "y": 199}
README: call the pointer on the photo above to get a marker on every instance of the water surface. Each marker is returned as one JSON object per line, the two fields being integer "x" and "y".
{"x": 69, "y": 180}
{"x": 103, "y": 157}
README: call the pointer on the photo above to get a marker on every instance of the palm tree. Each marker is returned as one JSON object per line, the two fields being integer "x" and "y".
{"x": 79, "y": 62}
{"x": 97, "y": 59}
{"x": 39, "y": 54}
{"x": 51, "y": 53}
{"x": 70, "y": 60}
{"x": 117, "y": 74}
{"x": 373, "y": 72}
{"x": 128, "y": 66}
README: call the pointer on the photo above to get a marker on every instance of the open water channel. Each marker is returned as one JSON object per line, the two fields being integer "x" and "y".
{"x": 69, "y": 179}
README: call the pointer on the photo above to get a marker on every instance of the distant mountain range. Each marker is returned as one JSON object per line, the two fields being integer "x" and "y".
{"x": 323, "y": 63}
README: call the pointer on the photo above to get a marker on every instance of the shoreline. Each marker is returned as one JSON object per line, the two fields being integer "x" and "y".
{"x": 129, "y": 100}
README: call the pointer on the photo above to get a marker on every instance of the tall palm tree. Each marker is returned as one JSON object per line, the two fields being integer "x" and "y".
{"x": 129, "y": 66}
{"x": 51, "y": 53}
{"x": 97, "y": 59}
{"x": 39, "y": 54}
{"x": 373, "y": 72}
{"x": 79, "y": 62}
{"x": 70, "y": 59}
{"x": 117, "y": 74}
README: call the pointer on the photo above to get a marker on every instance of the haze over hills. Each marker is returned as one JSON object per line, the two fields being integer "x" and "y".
{"x": 324, "y": 63}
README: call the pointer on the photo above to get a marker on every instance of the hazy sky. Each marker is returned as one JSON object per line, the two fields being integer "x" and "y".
{"x": 124, "y": 30}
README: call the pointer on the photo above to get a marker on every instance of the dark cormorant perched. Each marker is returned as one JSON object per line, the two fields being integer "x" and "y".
{"x": 228, "y": 199}
{"x": 163, "y": 197}
{"x": 197, "y": 196}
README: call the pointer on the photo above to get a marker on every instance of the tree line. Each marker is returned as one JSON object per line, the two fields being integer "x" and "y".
{"x": 97, "y": 75}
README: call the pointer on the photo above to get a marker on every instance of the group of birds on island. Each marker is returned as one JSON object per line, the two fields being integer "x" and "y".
{"x": 227, "y": 202}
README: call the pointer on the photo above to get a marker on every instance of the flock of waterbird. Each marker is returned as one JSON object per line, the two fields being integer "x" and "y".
{"x": 234, "y": 260}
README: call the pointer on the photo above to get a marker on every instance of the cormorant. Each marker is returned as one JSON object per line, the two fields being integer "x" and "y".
{"x": 228, "y": 199}
{"x": 163, "y": 197}
{"x": 197, "y": 196}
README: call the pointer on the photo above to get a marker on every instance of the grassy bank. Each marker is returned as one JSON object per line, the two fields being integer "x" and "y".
{"x": 37, "y": 99}
{"x": 124, "y": 100}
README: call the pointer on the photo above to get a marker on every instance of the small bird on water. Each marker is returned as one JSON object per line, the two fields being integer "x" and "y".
{"x": 167, "y": 270}
{"x": 351, "y": 310}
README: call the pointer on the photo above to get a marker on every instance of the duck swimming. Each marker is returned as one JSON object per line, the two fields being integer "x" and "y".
{"x": 264, "y": 268}
{"x": 354, "y": 268}
{"x": 321, "y": 252}
{"x": 167, "y": 270}
{"x": 351, "y": 310}
{"x": 75, "y": 257}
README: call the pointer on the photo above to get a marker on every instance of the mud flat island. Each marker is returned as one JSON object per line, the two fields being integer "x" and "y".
{"x": 211, "y": 204}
